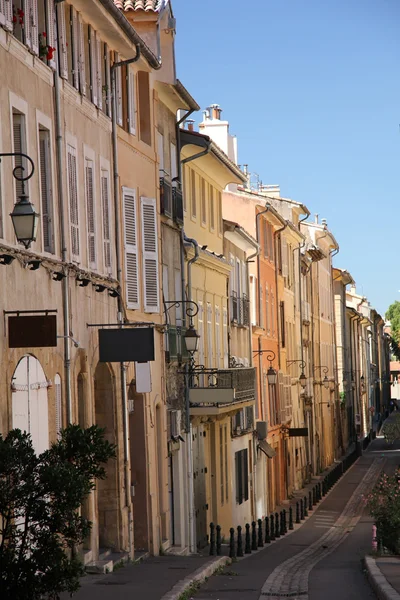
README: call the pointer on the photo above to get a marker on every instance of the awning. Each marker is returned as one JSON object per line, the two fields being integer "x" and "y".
{"x": 266, "y": 448}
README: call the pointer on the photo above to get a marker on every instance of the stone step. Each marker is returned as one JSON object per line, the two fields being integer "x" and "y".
{"x": 100, "y": 567}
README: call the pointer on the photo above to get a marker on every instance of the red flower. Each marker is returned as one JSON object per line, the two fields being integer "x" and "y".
{"x": 44, "y": 34}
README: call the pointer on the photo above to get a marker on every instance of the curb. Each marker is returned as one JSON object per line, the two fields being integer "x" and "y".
{"x": 197, "y": 576}
{"x": 378, "y": 581}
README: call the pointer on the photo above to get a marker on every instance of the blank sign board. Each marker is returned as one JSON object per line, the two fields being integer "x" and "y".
{"x": 126, "y": 345}
{"x": 32, "y": 331}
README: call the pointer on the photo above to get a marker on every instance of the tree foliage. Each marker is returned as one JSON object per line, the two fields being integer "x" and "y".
{"x": 384, "y": 506}
{"x": 393, "y": 315}
{"x": 391, "y": 428}
{"x": 40, "y": 500}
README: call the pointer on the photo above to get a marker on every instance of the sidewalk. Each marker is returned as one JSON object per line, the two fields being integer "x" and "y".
{"x": 384, "y": 576}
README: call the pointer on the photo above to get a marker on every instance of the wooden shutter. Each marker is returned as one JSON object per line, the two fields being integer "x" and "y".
{"x": 108, "y": 80}
{"x": 62, "y": 41}
{"x": 50, "y": 29}
{"x": 217, "y": 336}
{"x": 82, "y": 63}
{"x": 73, "y": 201}
{"x": 118, "y": 84}
{"x": 131, "y": 102}
{"x": 150, "y": 255}
{"x": 2, "y": 12}
{"x": 212, "y": 208}
{"x": 8, "y": 14}
{"x": 93, "y": 64}
{"x": 245, "y": 471}
{"x": 131, "y": 249}
{"x": 89, "y": 184}
{"x": 27, "y": 27}
{"x": 19, "y": 143}
{"x": 99, "y": 63}
{"x": 46, "y": 190}
{"x": 58, "y": 399}
{"x": 34, "y": 17}
{"x": 267, "y": 309}
{"x": 200, "y": 329}
{"x": 75, "y": 48}
{"x": 105, "y": 201}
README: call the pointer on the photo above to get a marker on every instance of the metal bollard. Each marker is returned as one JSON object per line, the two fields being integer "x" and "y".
{"x": 212, "y": 539}
{"x": 239, "y": 542}
{"x": 297, "y": 512}
{"x": 310, "y": 507}
{"x": 247, "y": 544}
{"x": 260, "y": 542}
{"x": 272, "y": 528}
{"x": 218, "y": 528}
{"x": 305, "y": 507}
{"x": 281, "y": 524}
{"x": 254, "y": 536}
{"x": 291, "y": 518}
{"x": 277, "y": 527}
{"x": 267, "y": 536}
{"x": 314, "y": 495}
{"x": 284, "y": 521}
{"x": 232, "y": 553}
{"x": 301, "y": 509}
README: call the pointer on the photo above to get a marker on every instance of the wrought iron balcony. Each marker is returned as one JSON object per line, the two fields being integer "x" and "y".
{"x": 165, "y": 196}
{"x": 212, "y": 391}
{"x": 177, "y": 201}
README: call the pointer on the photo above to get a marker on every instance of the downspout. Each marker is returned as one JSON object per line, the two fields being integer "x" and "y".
{"x": 65, "y": 281}
{"x": 276, "y": 285}
{"x": 124, "y": 392}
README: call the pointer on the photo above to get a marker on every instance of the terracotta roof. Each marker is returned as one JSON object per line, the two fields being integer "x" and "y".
{"x": 146, "y": 5}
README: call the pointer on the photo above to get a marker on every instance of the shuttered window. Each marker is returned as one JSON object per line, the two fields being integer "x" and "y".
{"x": 267, "y": 310}
{"x": 200, "y": 329}
{"x": 91, "y": 228}
{"x": 217, "y": 336}
{"x": 75, "y": 47}
{"x": 99, "y": 72}
{"x": 203, "y": 201}
{"x": 62, "y": 41}
{"x": 73, "y": 201}
{"x": 105, "y": 203}
{"x": 118, "y": 84}
{"x": 6, "y": 14}
{"x": 209, "y": 336}
{"x": 93, "y": 65}
{"x": 58, "y": 402}
{"x": 19, "y": 145}
{"x": 193, "y": 192}
{"x": 46, "y": 190}
{"x": 242, "y": 476}
{"x": 131, "y": 102}
{"x": 144, "y": 106}
{"x": 150, "y": 255}
{"x": 50, "y": 29}
{"x": 131, "y": 249}
{"x": 82, "y": 59}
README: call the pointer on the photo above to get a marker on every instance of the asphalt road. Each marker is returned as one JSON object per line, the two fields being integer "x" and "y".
{"x": 322, "y": 559}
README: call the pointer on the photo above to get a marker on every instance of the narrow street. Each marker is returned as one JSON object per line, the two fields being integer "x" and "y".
{"x": 322, "y": 559}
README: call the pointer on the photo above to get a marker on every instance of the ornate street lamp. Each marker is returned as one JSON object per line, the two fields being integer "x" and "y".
{"x": 302, "y": 378}
{"x": 191, "y": 339}
{"x": 24, "y": 218}
{"x": 325, "y": 381}
{"x": 271, "y": 373}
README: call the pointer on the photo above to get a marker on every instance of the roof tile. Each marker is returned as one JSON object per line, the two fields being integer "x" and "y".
{"x": 146, "y": 5}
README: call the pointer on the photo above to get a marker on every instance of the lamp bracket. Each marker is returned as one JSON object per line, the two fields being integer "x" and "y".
{"x": 291, "y": 362}
{"x": 191, "y": 307}
{"x": 18, "y": 168}
{"x": 270, "y": 354}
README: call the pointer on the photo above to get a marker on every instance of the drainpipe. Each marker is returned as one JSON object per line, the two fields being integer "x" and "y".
{"x": 276, "y": 285}
{"x": 124, "y": 393}
{"x": 65, "y": 281}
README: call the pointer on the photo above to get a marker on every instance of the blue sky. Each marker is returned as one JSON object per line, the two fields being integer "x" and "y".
{"x": 311, "y": 88}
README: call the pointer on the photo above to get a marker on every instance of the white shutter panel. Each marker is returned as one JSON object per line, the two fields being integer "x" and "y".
{"x": 90, "y": 213}
{"x": 8, "y": 12}
{"x": 131, "y": 102}
{"x": 18, "y": 147}
{"x": 73, "y": 201}
{"x": 2, "y": 12}
{"x": 200, "y": 329}
{"x": 82, "y": 64}
{"x": 93, "y": 64}
{"x": 99, "y": 65}
{"x": 50, "y": 29}
{"x": 34, "y": 15}
{"x": 217, "y": 337}
{"x": 119, "y": 91}
{"x": 150, "y": 255}
{"x": 284, "y": 258}
{"x": 46, "y": 191}
{"x": 131, "y": 250}
{"x": 108, "y": 80}
{"x": 75, "y": 48}
{"x": 106, "y": 219}
{"x": 27, "y": 22}
{"x": 209, "y": 336}
{"x": 62, "y": 41}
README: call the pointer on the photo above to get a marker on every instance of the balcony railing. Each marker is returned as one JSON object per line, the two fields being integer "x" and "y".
{"x": 165, "y": 197}
{"x": 214, "y": 387}
{"x": 177, "y": 201}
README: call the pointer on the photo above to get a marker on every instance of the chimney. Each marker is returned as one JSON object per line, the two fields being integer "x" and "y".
{"x": 190, "y": 124}
{"x": 316, "y": 219}
{"x": 245, "y": 169}
{"x": 324, "y": 222}
{"x": 216, "y": 111}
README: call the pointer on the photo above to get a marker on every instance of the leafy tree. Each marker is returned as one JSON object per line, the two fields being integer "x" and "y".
{"x": 384, "y": 506}
{"x": 393, "y": 315}
{"x": 40, "y": 500}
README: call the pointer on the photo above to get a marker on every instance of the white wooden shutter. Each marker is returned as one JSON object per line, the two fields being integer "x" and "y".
{"x": 105, "y": 201}
{"x": 200, "y": 329}
{"x": 34, "y": 17}
{"x": 2, "y": 12}
{"x": 225, "y": 336}
{"x": 131, "y": 249}
{"x": 75, "y": 48}
{"x": 50, "y": 29}
{"x": 82, "y": 63}
{"x": 62, "y": 41}
{"x": 174, "y": 165}
{"x": 73, "y": 201}
{"x": 19, "y": 145}
{"x": 118, "y": 84}
{"x": 58, "y": 402}
{"x": 46, "y": 190}
{"x": 131, "y": 102}
{"x": 7, "y": 14}
{"x": 209, "y": 336}
{"x": 108, "y": 81}
{"x": 89, "y": 184}
{"x": 150, "y": 254}
{"x": 99, "y": 62}
{"x": 27, "y": 27}
{"x": 93, "y": 64}
{"x": 217, "y": 336}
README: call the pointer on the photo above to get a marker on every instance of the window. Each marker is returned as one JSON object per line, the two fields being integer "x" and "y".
{"x": 282, "y": 323}
{"x": 273, "y": 317}
{"x": 150, "y": 255}
{"x": 279, "y": 253}
{"x": 242, "y": 476}
{"x": 118, "y": 86}
{"x": 6, "y": 14}
{"x": 19, "y": 143}
{"x": 271, "y": 242}
{"x": 73, "y": 201}
{"x": 209, "y": 336}
{"x": 93, "y": 65}
{"x": 105, "y": 204}
{"x": 25, "y": 28}
{"x": 58, "y": 402}
{"x": 89, "y": 189}
{"x": 212, "y": 209}
{"x": 68, "y": 20}
{"x": 160, "y": 151}
{"x": 46, "y": 29}
{"x": 203, "y": 201}
{"x": 268, "y": 325}
{"x": 193, "y": 192}
{"x": 225, "y": 336}
{"x": 62, "y": 41}
{"x": 261, "y": 323}
{"x": 217, "y": 337}
{"x": 106, "y": 79}
{"x": 200, "y": 329}
{"x": 131, "y": 102}
{"x": 81, "y": 56}
{"x": 253, "y": 299}
{"x": 46, "y": 190}
{"x": 131, "y": 249}
{"x": 144, "y": 107}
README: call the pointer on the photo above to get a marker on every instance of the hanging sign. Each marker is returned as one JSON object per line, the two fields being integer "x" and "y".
{"x": 32, "y": 331}
{"x": 126, "y": 345}
{"x": 298, "y": 432}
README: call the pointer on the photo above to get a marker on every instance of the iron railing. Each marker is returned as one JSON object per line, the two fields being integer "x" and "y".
{"x": 177, "y": 202}
{"x": 165, "y": 197}
{"x": 240, "y": 309}
{"x": 242, "y": 381}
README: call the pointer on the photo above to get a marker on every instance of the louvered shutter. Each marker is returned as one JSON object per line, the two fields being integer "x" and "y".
{"x": 50, "y": 29}
{"x": 58, "y": 399}
{"x": 93, "y": 64}
{"x": 90, "y": 213}
{"x": 27, "y": 27}
{"x": 75, "y": 48}
{"x": 8, "y": 13}
{"x": 34, "y": 16}
{"x": 118, "y": 83}
{"x": 19, "y": 146}
{"x": 131, "y": 102}
{"x": 106, "y": 219}
{"x": 99, "y": 63}
{"x": 2, "y": 12}
{"x": 108, "y": 80}
{"x": 73, "y": 201}
{"x": 150, "y": 255}
{"x": 46, "y": 191}
{"x": 131, "y": 250}
{"x": 62, "y": 41}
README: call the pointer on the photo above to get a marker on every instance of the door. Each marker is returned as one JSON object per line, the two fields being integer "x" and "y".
{"x": 30, "y": 402}
{"x": 200, "y": 487}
